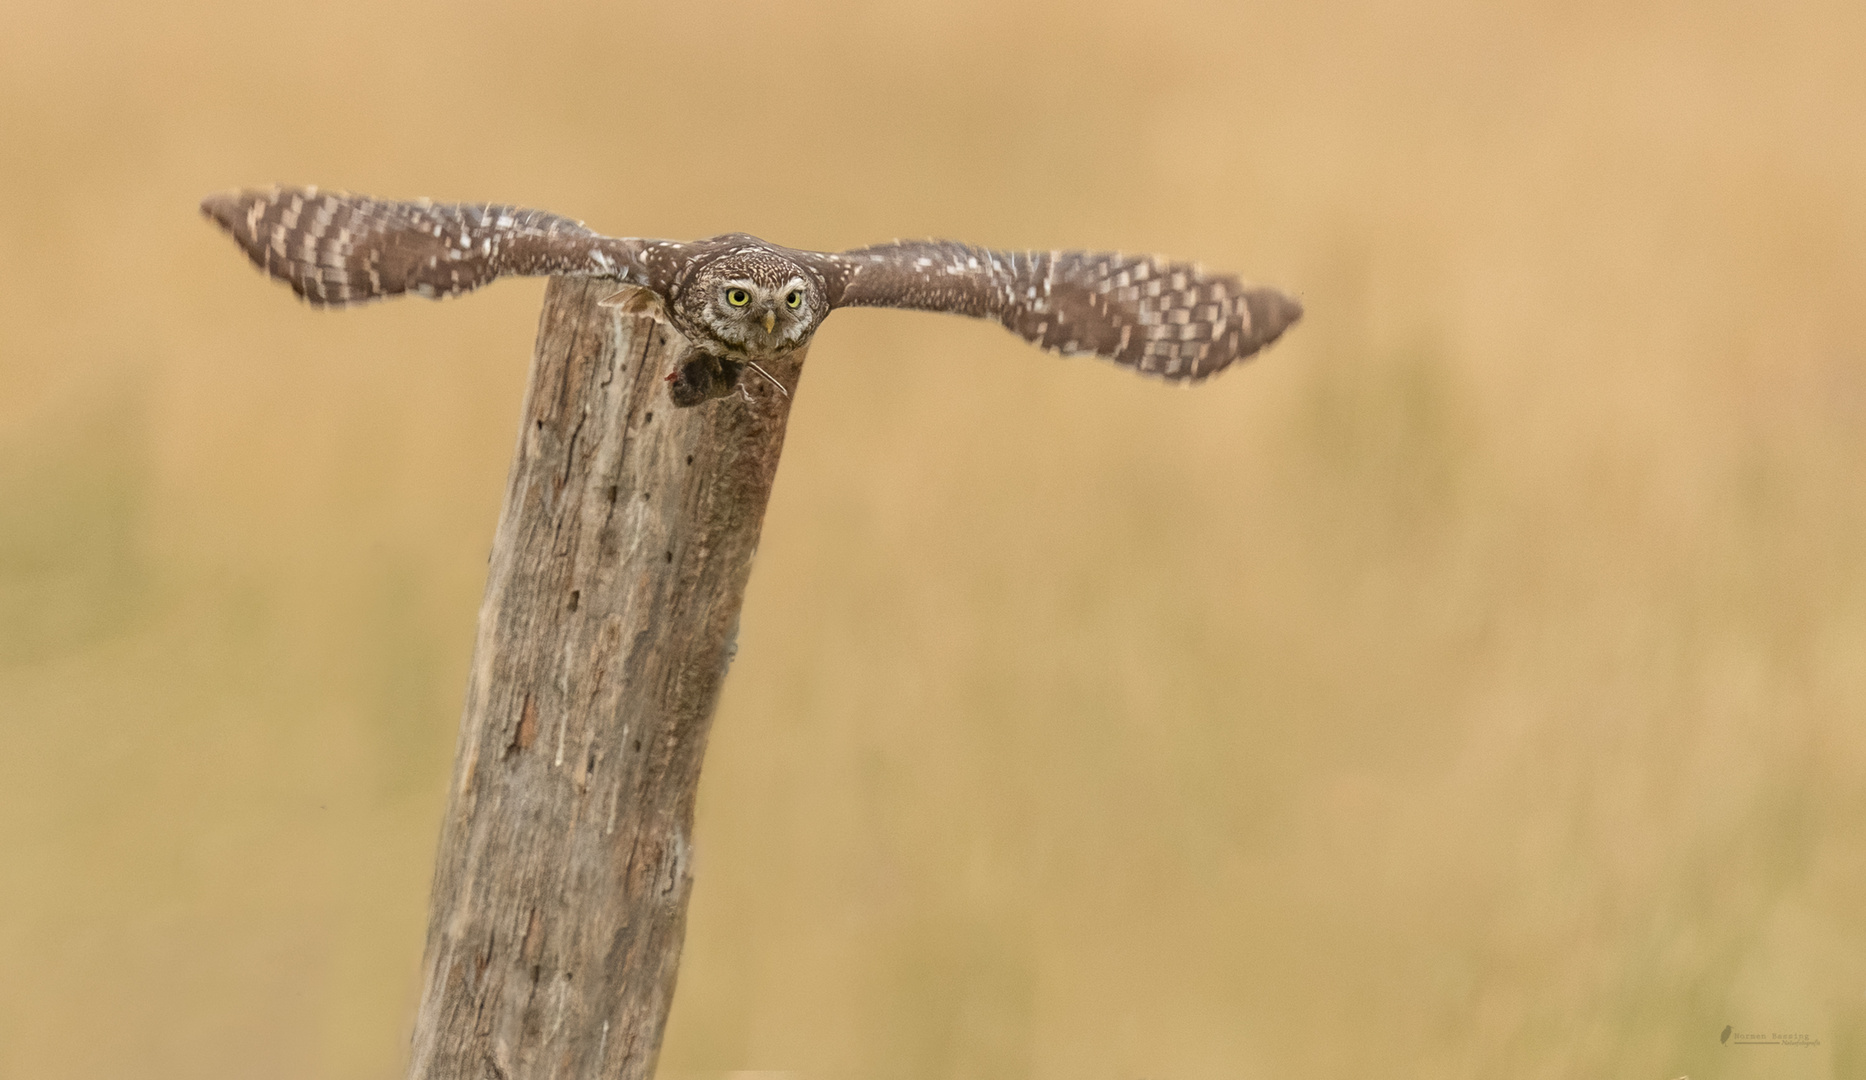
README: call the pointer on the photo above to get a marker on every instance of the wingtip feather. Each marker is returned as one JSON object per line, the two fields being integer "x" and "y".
{"x": 222, "y": 207}
{"x": 1279, "y": 312}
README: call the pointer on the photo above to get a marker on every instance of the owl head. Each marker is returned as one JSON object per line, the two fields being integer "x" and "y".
{"x": 750, "y": 301}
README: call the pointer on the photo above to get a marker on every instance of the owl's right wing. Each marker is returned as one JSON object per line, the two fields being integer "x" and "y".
{"x": 1164, "y": 318}
{"x": 337, "y": 249}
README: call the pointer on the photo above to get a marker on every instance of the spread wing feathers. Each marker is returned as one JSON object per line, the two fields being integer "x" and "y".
{"x": 1165, "y": 318}
{"x": 339, "y": 249}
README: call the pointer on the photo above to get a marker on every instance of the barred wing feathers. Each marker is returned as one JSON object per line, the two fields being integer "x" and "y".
{"x": 337, "y": 249}
{"x": 1165, "y": 318}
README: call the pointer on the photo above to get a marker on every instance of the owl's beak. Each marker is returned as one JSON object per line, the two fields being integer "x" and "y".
{"x": 770, "y": 321}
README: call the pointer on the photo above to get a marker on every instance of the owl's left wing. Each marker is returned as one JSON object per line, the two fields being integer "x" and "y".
{"x": 337, "y": 249}
{"x": 1164, "y": 318}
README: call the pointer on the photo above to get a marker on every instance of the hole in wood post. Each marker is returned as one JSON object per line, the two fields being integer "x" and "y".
{"x": 576, "y": 595}
{"x": 527, "y": 728}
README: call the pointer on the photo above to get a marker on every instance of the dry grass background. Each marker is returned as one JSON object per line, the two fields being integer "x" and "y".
{"x": 1472, "y": 687}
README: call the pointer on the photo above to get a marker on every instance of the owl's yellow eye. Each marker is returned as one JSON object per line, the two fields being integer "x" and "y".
{"x": 795, "y": 299}
{"x": 738, "y": 297}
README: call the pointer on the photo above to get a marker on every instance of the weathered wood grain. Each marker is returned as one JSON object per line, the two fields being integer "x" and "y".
{"x": 617, "y": 573}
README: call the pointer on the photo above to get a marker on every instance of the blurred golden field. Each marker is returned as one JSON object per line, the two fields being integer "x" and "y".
{"x": 1474, "y": 686}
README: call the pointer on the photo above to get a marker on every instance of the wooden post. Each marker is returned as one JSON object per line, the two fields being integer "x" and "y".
{"x": 612, "y": 600}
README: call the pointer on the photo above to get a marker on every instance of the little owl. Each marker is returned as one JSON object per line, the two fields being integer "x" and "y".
{"x": 740, "y": 301}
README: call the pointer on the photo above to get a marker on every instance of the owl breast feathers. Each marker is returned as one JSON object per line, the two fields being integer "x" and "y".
{"x": 741, "y": 300}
